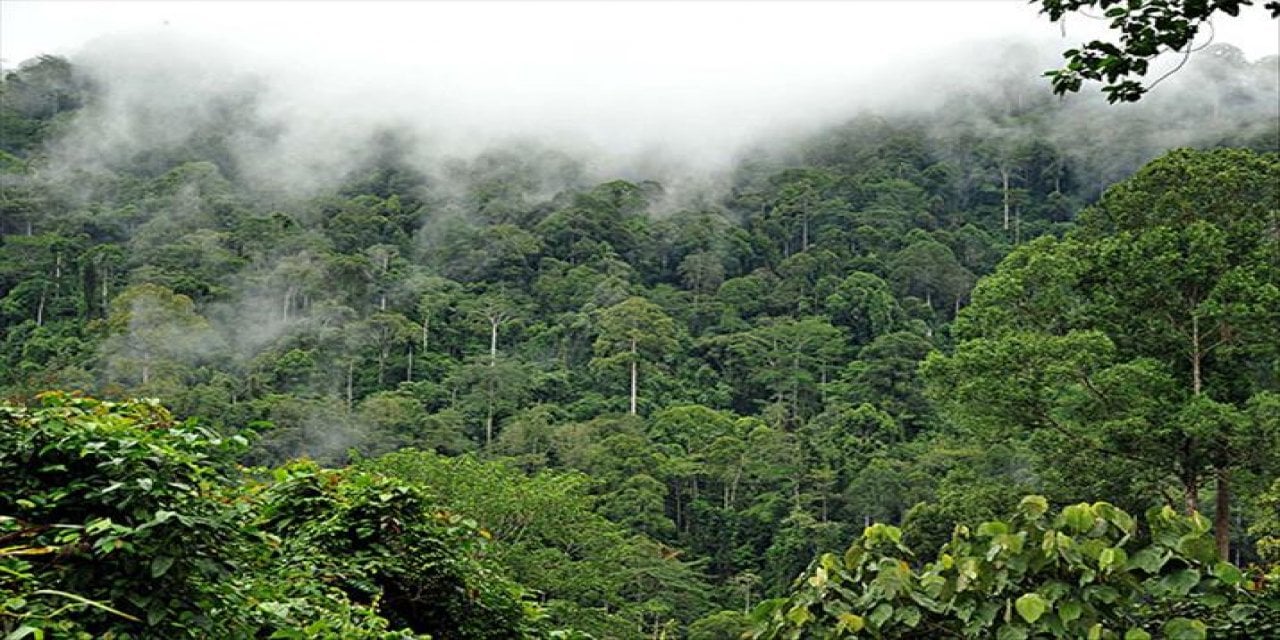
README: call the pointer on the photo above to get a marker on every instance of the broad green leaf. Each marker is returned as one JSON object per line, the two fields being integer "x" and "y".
{"x": 1149, "y": 560}
{"x": 1031, "y": 606}
{"x": 1181, "y": 582}
{"x": 880, "y": 614}
{"x": 1069, "y": 610}
{"x": 1199, "y": 547}
{"x": 1034, "y": 506}
{"x": 1241, "y": 612}
{"x": 160, "y": 565}
{"x": 1110, "y": 557}
{"x": 1012, "y": 632}
{"x": 993, "y": 528}
{"x": 1185, "y": 629}
{"x": 1228, "y": 573}
{"x": 909, "y": 616}
{"x": 799, "y": 615}
{"x": 850, "y": 621}
{"x": 1136, "y": 634}
{"x": 1079, "y": 517}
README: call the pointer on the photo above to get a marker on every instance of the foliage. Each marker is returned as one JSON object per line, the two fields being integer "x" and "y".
{"x": 1088, "y": 571}
{"x": 117, "y": 504}
{"x": 1145, "y": 29}
{"x": 546, "y": 532}
{"x": 121, "y": 522}
{"x": 380, "y": 542}
{"x": 1135, "y": 337}
{"x": 772, "y": 324}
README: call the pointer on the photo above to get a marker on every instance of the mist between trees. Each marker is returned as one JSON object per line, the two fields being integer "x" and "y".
{"x": 711, "y": 366}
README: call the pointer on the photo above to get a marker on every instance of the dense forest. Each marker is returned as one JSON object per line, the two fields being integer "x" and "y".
{"x": 504, "y": 396}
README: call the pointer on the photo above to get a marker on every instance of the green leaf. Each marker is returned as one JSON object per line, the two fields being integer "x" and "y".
{"x": 909, "y": 616}
{"x": 1185, "y": 629}
{"x": 1012, "y": 632}
{"x": 993, "y": 528}
{"x": 799, "y": 615}
{"x": 850, "y": 621}
{"x": 1241, "y": 612}
{"x": 1031, "y": 606}
{"x": 1199, "y": 547}
{"x": 1228, "y": 573}
{"x": 1112, "y": 556}
{"x": 1136, "y": 634}
{"x": 24, "y": 631}
{"x": 160, "y": 565}
{"x": 1070, "y": 610}
{"x": 1079, "y": 517}
{"x": 1181, "y": 582}
{"x": 1034, "y": 506}
{"x": 1149, "y": 560}
{"x": 880, "y": 614}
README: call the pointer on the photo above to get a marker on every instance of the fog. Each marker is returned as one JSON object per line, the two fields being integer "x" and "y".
{"x": 636, "y": 89}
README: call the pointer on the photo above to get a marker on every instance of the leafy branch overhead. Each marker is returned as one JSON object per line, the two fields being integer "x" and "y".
{"x": 1145, "y": 30}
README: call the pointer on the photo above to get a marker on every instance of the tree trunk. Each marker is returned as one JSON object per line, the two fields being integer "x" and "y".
{"x": 1196, "y": 355}
{"x": 1222, "y": 475}
{"x": 1191, "y": 494}
{"x": 288, "y": 302}
{"x": 493, "y": 341}
{"x": 1222, "y": 513}
{"x": 408, "y": 376}
{"x": 1004, "y": 185}
{"x": 40, "y": 310}
{"x": 351, "y": 370}
{"x": 804, "y": 230}
{"x": 488, "y": 427}
{"x": 733, "y": 487}
{"x": 634, "y": 376}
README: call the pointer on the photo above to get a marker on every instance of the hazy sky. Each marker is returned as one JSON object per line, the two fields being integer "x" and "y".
{"x": 622, "y": 74}
{"x": 716, "y": 35}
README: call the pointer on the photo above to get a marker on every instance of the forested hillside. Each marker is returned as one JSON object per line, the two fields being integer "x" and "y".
{"x": 632, "y": 409}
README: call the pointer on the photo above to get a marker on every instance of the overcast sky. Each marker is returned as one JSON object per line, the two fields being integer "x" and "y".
{"x": 617, "y": 73}
{"x": 721, "y": 35}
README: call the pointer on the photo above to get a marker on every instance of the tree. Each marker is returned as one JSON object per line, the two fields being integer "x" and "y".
{"x": 493, "y": 310}
{"x": 863, "y": 304}
{"x": 1150, "y": 334}
{"x": 928, "y": 270}
{"x": 495, "y": 386}
{"x": 630, "y": 332}
{"x": 789, "y": 359}
{"x": 155, "y": 333}
{"x": 1147, "y": 28}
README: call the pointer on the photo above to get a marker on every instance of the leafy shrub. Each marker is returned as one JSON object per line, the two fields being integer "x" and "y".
{"x": 1086, "y": 572}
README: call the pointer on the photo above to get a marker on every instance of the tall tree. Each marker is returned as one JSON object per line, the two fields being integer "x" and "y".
{"x": 630, "y": 332}
{"x": 1151, "y": 333}
{"x": 155, "y": 333}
